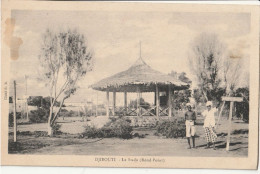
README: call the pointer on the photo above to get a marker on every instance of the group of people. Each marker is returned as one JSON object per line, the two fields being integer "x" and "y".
{"x": 209, "y": 125}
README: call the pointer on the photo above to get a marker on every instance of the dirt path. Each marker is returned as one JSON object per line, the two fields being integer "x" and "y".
{"x": 149, "y": 146}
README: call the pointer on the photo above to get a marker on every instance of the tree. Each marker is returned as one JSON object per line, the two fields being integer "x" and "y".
{"x": 181, "y": 76}
{"x": 242, "y": 108}
{"x": 35, "y": 101}
{"x": 65, "y": 59}
{"x": 10, "y": 99}
{"x": 231, "y": 73}
{"x": 180, "y": 98}
{"x": 198, "y": 96}
{"x": 206, "y": 63}
{"x": 184, "y": 78}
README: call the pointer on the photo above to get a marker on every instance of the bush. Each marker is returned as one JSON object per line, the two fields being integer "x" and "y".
{"x": 38, "y": 116}
{"x": 150, "y": 122}
{"x": 119, "y": 128}
{"x": 65, "y": 113}
{"x": 11, "y": 118}
{"x": 56, "y": 128}
{"x": 92, "y": 132}
{"x": 171, "y": 128}
{"x": 242, "y": 108}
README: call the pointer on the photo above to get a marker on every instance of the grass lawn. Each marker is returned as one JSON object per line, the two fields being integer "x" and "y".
{"x": 71, "y": 142}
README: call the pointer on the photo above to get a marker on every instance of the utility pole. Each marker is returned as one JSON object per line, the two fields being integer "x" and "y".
{"x": 14, "y": 101}
{"x": 26, "y": 104}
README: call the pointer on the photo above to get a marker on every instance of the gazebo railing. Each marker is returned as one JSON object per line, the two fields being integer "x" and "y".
{"x": 143, "y": 111}
{"x": 150, "y": 111}
{"x": 164, "y": 110}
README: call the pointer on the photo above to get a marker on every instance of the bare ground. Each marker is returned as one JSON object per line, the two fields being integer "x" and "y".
{"x": 150, "y": 145}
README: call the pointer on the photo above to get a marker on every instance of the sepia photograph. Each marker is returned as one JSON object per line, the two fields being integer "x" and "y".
{"x": 130, "y": 86}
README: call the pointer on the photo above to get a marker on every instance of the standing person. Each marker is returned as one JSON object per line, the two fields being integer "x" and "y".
{"x": 209, "y": 124}
{"x": 190, "y": 118}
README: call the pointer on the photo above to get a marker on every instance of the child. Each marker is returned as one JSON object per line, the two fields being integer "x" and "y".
{"x": 209, "y": 124}
{"x": 190, "y": 118}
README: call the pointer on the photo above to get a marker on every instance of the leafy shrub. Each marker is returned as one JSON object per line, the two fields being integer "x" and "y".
{"x": 119, "y": 128}
{"x": 242, "y": 108}
{"x": 11, "y": 118}
{"x": 65, "y": 113}
{"x": 150, "y": 122}
{"x": 38, "y": 116}
{"x": 56, "y": 128}
{"x": 92, "y": 132}
{"x": 171, "y": 128}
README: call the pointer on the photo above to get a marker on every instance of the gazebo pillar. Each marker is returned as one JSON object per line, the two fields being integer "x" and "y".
{"x": 157, "y": 101}
{"x": 125, "y": 102}
{"x": 114, "y": 103}
{"x": 169, "y": 101}
{"x": 107, "y": 107}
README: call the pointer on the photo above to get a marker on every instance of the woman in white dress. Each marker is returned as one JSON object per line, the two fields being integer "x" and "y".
{"x": 209, "y": 124}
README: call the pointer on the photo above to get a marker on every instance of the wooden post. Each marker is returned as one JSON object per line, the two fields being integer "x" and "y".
{"x": 107, "y": 107}
{"x": 14, "y": 101}
{"x": 232, "y": 100}
{"x": 114, "y": 103}
{"x": 229, "y": 125}
{"x": 157, "y": 101}
{"x": 170, "y": 101}
{"x": 138, "y": 101}
{"x": 125, "y": 102}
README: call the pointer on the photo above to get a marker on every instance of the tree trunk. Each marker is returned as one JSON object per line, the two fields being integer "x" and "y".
{"x": 205, "y": 95}
{"x": 50, "y": 130}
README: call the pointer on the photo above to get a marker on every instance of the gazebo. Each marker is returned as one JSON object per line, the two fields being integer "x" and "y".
{"x": 140, "y": 78}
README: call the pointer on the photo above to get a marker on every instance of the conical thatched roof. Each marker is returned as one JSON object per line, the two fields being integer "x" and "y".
{"x": 139, "y": 76}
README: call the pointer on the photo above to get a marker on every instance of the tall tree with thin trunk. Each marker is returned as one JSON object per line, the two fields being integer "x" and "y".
{"x": 65, "y": 59}
{"x": 231, "y": 73}
{"x": 206, "y": 62}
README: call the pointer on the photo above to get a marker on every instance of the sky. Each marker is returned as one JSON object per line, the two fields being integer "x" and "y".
{"x": 114, "y": 38}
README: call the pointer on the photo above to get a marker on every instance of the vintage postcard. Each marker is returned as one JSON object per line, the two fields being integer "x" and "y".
{"x": 106, "y": 84}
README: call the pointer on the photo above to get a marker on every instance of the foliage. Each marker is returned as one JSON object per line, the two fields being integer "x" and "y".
{"x": 242, "y": 108}
{"x": 133, "y": 103}
{"x": 180, "y": 97}
{"x": 181, "y": 76}
{"x": 198, "y": 96}
{"x": 11, "y": 118}
{"x": 64, "y": 60}
{"x": 10, "y": 99}
{"x": 149, "y": 122}
{"x": 39, "y": 101}
{"x": 35, "y": 101}
{"x": 119, "y": 128}
{"x": 206, "y": 64}
{"x": 56, "y": 129}
{"x": 216, "y": 95}
{"x": 38, "y": 116}
{"x": 65, "y": 113}
{"x": 171, "y": 128}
